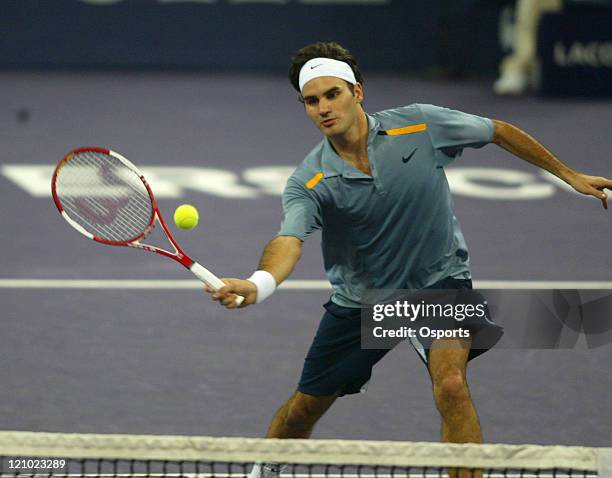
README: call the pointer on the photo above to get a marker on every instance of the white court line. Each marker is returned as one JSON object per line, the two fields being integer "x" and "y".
{"x": 137, "y": 284}
{"x": 287, "y": 285}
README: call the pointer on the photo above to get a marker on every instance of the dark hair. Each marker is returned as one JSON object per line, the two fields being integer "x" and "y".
{"x": 321, "y": 50}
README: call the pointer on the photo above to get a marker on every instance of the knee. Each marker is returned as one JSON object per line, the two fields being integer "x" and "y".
{"x": 451, "y": 390}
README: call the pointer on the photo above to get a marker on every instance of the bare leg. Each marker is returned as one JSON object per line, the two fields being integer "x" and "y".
{"x": 528, "y": 14}
{"x": 296, "y": 417}
{"x": 460, "y": 424}
{"x": 518, "y": 69}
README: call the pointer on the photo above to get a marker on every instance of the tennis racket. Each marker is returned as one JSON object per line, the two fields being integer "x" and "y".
{"x": 106, "y": 198}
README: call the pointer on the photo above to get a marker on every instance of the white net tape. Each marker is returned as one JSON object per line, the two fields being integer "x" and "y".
{"x": 244, "y": 450}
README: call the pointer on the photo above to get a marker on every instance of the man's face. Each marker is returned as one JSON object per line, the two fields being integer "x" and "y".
{"x": 331, "y": 106}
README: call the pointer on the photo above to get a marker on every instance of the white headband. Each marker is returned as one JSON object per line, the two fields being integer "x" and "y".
{"x": 318, "y": 67}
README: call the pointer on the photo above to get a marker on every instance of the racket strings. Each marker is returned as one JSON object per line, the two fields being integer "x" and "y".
{"x": 104, "y": 196}
{"x": 113, "y": 231}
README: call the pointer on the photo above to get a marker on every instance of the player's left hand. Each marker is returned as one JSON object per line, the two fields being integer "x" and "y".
{"x": 592, "y": 186}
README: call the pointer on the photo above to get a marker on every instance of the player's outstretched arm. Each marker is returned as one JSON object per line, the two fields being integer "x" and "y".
{"x": 279, "y": 258}
{"x": 521, "y": 144}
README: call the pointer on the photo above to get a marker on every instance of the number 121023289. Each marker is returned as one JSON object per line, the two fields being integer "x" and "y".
{"x": 35, "y": 464}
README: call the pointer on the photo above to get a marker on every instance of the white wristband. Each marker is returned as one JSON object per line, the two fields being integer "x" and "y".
{"x": 266, "y": 284}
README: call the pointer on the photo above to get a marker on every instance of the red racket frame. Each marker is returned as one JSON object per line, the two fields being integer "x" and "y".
{"x": 179, "y": 256}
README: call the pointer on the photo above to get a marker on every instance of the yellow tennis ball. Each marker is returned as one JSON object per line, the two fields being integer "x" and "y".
{"x": 186, "y": 216}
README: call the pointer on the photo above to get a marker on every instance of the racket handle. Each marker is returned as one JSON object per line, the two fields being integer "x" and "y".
{"x": 210, "y": 279}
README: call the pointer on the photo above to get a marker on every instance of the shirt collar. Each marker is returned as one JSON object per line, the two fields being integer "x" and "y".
{"x": 334, "y": 165}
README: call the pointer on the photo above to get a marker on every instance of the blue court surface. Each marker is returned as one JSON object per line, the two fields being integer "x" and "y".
{"x": 112, "y": 340}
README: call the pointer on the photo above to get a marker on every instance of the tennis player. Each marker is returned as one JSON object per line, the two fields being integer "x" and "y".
{"x": 375, "y": 185}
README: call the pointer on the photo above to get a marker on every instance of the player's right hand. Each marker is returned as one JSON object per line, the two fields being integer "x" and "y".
{"x": 226, "y": 296}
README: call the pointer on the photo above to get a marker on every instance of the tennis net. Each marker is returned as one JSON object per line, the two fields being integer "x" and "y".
{"x": 39, "y": 454}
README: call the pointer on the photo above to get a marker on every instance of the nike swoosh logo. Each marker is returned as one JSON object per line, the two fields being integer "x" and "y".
{"x": 316, "y": 66}
{"x": 406, "y": 159}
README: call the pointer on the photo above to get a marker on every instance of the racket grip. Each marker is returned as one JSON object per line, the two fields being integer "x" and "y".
{"x": 210, "y": 279}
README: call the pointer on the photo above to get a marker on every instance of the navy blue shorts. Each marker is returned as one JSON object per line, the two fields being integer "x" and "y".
{"x": 336, "y": 363}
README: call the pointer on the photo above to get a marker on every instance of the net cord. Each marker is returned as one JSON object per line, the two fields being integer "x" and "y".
{"x": 605, "y": 462}
{"x": 244, "y": 450}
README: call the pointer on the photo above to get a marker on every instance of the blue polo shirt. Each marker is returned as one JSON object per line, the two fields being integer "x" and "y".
{"x": 396, "y": 228}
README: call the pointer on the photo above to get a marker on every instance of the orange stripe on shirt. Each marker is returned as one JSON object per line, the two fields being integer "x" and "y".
{"x": 414, "y": 128}
{"x": 314, "y": 181}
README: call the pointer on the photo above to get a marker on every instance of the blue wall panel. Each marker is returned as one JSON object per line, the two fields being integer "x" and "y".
{"x": 396, "y": 34}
